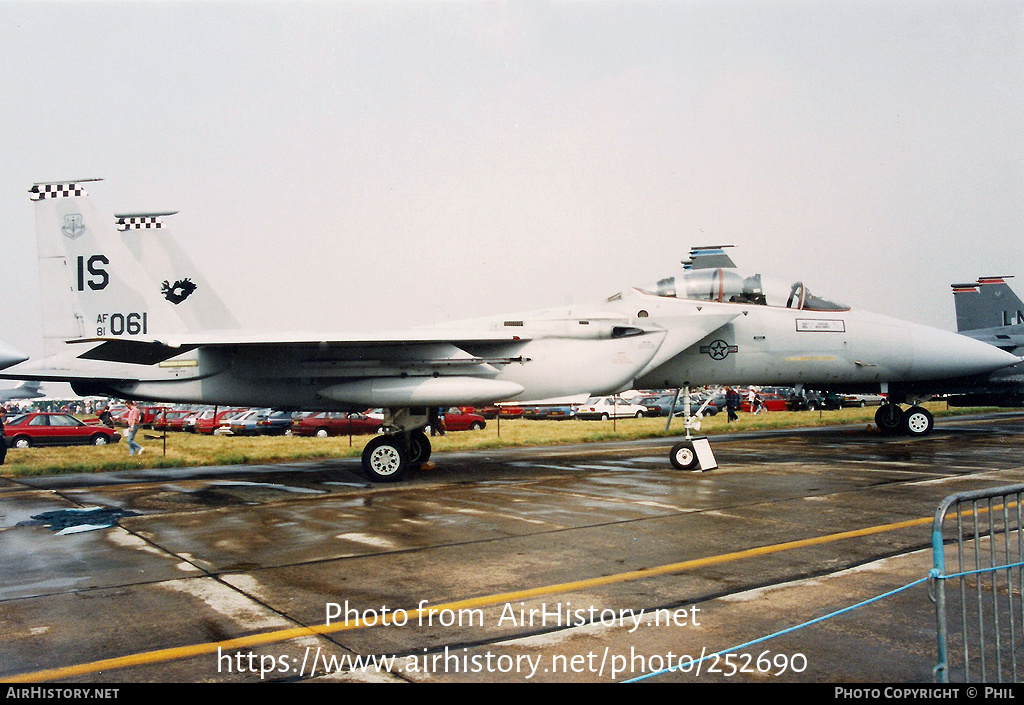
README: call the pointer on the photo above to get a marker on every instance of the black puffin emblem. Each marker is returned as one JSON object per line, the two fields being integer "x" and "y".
{"x": 178, "y": 291}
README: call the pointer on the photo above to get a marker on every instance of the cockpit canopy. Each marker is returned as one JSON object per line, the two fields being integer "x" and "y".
{"x": 730, "y": 286}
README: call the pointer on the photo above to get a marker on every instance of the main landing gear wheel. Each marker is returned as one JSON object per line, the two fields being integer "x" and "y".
{"x": 419, "y": 448}
{"x": 917, "y": 421}
{"x": 889, "y": 418}
{"x": 385, "y": 459}
{"x": 683, "y": 456}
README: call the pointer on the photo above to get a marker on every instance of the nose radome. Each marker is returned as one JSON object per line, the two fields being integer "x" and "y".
{"x": 939, "y": 354}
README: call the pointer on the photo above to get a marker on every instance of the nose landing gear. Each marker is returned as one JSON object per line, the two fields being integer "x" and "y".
{"x": 914, "y": 422}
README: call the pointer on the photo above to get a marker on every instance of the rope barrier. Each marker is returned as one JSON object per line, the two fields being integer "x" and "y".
{"x": 932, "y": 575}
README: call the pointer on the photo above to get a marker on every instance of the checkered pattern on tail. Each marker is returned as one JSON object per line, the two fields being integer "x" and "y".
{"x": 138, "y": 222}
{"x": 40, "y": 192}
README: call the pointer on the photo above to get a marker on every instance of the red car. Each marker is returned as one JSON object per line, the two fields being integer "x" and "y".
{"x": 149, "y": 414}
{"x": 170, "y": 420}
{"x": 455, "y": 419}
{"x": 335, "y": 423}
{"x": 210, "y": 420}
{"x": 772, "y": 402}
{"x": 48, "y": 429}
{"x": 183, "y": 422}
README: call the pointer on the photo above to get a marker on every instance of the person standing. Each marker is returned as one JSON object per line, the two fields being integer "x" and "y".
{"x": 732, "y": 403}
{"x": 134, "y": 416}
{"x": 3, "y": 437}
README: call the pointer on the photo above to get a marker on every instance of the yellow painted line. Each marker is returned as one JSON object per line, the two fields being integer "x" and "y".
{"x": 180, "y": 652}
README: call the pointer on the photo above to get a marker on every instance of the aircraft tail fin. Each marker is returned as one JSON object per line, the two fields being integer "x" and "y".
{"x": 173, "y": 273}
{"x": 987, "y": 303}
{"x": 90, "y": 283}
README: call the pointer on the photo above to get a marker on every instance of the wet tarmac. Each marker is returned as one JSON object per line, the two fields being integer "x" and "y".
{"x": 590, "y": 563}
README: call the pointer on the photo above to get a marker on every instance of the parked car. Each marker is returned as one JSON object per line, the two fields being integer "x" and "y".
{"x": 659, "y": 405}
{"x": 812, "y": 401}
{"x": 696, "y": 403}
{"x": 862, "y": 400}
{"x": 334, "y": 423}
{"x": 556, "y": 412}
{"x": 771, "y": 402}
{"x": 609, "y": 407}
{"x": 243, "y": 424}
{"x": 148, "y": 415}
{"x": 276, "y": 423}
{"x": 211, "y": 419}
{"x": 51, "y": 429}
{"x": 188, "y": 423}
{"x": 455, "y": 419}
{"x": 183, "y": 422}
{"x": 169, "y": 420}
{"x": 662, "y": 405}
{"x": 494, "y": 411}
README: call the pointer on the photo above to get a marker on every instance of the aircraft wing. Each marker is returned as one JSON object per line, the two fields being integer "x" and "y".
{"x": 152, "y": 351}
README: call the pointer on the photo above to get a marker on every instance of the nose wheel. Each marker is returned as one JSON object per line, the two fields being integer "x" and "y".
{"x": 684, "y": 456}
{"x": 914, "y": 422}
{"x": 917, "y": 421}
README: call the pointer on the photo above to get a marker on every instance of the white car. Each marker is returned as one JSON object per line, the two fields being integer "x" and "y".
{"x": 609, "y": 407}
{"x": 863, "y": 399}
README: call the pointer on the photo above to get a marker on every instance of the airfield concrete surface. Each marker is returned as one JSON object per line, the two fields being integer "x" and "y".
{"x": 590, "y": 563}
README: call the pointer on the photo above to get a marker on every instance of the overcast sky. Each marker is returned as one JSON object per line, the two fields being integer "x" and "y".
{"x": 382, "y": 164}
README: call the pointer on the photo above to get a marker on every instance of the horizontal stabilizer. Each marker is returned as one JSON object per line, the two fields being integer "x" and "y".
{"x": 10, "y": 356}
{"x": 136, "y": 352}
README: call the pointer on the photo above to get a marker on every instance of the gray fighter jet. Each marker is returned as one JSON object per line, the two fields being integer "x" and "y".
{"x": 990, "y": 311}
{"x": 111, "y": 329}
{"x": 24, "y": 390}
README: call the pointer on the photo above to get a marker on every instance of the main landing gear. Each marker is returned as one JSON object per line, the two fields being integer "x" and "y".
{"x": 405, "y": 445}
{"x": 386, "y": 458}
{"x": 915, "y": 421}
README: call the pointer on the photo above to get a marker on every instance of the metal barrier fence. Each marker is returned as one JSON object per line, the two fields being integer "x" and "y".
{"x": 979, "y": 607}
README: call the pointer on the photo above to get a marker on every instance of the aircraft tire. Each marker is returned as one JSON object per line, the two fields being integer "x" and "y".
{"x": 917, "y": 421}
{"x": 683, "y": 456}
{"x": 889, "y": 419}
{"x": 419, "y": 448}
{"x": 384, "y": 459}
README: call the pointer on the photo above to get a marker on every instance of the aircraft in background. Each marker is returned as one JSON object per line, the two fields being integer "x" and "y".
{"x": 111, "y": 329}
{"x": 24, "y": 390}
{"x": 988, "y": 310}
